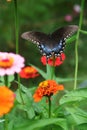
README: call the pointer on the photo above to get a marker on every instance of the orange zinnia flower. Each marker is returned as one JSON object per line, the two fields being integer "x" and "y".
{"x": 28, "y": 72}
{"x": 47, "y": 88}
{"x": 6, "y": 100}
{"x": 58, "y": 60}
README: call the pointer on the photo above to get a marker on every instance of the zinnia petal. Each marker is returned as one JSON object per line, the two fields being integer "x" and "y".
{"x": 57, "y": 62}
{"x": 6, "y": 100}
{"x": 28, "y": 72}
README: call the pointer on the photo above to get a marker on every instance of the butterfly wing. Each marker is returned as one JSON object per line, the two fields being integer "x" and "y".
{"x": 51, "y": 45}
{"x": 60, "y": 36}
{"x": 35, "y": 37}
{"x": 64, "y": 32}
{"x": 42, "y": 40}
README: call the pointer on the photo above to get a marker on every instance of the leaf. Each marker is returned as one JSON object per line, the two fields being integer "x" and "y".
{"x": 82, "y": 127}
{"x": 10, "y": 125}
{"x": 32, "y": 125}
{"x": 79, "y": 116}
{"x": 67, "y": 79}
{"x": 30, "y": 112}
{"x": 75, "y": 95}
{"x": 2, "y": 120}
{"x": 71, "y": 39}
{"x": 64, "y": 79}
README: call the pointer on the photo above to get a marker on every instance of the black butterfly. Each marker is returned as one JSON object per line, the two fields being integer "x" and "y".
{"x": 51, "y": 44}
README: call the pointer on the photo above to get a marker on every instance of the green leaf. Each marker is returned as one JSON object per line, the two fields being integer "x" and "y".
{"x": 32, "y": 125}
{"x": 10, "y": 125}
{"x": 71, "y": 39}
{"x": 78, "y": 115}
{"x": 67, "y": 79}
{"x": 64, "y": 79}
{"x": 1, "y": 120}
{"x": 82, "y": 127}
{"x": 75, "y": 95}
{"x": 30, "y": 112}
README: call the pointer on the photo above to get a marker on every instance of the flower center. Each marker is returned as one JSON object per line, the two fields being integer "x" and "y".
{"x": 6, "y": 62}
{"x": 43, "y": 84}
{"x": 29, "y": 70}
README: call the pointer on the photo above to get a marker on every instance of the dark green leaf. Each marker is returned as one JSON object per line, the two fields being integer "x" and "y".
{"x": 32, "y": 125}
{"x": 75, "y": 95}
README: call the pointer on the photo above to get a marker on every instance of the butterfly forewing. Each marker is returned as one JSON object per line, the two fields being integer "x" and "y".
{"x": 35, "y": 37}
{"x": 64, "y": 32}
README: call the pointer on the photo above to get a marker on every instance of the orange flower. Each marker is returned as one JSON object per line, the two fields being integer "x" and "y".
{"x": 58, "y": 60}
{"x": 28, "y": 72}
{"x": 6, "y": 100}
{"x": 47, "y": 88}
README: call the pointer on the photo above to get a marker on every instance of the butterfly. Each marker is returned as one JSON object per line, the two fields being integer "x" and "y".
{"x": 51, "y": 45}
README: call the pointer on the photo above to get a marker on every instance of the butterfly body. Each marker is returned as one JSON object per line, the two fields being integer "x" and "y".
{"x": 51, "y": 44}
{"x": 52, "y": 47}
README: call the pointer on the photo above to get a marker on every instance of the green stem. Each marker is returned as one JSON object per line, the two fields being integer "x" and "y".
{"x": 22, "y": 100}
{"x": 16, "y": 25}
{"x": 5, "y": 123}
{"x": 49, "y": 101}
{"x": 83, "y": 32}
{"x": 76, "y": 44}
{"x": 6, "y": 80}
{"x": 52, "y": 72}
{"x": 17, "y": 43}
{"x": 53, "y": 68}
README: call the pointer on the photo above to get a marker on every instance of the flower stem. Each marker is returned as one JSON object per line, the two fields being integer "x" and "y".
{"x": 16, "y": 26}
{"x": 6, "y": 80}
{"x": 76, "y": 44}
{"x": 83, "y": 32}
{"x": 49, "y": 101}
{"x": 53, "y": 68}
{"x": 5, "y": 123}
{"x": 52, "y": 72}
{"x": 22, "y": 100}
{"x": 17, "y": 43}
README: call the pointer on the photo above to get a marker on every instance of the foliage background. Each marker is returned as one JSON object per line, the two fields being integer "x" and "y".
{"x": 46, "y": 16}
